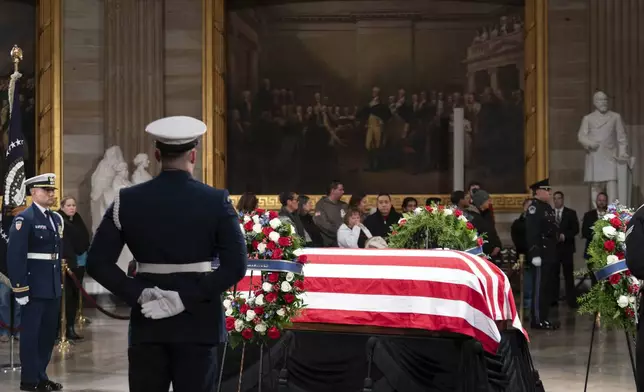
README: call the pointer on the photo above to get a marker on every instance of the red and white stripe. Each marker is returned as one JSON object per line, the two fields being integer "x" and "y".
{"x": 436, "y": 290}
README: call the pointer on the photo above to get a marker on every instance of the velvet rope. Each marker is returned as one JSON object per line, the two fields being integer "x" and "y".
{"x": 91, "y": 300}
{"x": 8, "y": 328}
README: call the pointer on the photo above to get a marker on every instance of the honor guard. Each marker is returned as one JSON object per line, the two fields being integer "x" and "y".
{"x": 541, "y": 237}
{"x": 635, "y": 263}
{"x": 174, "y": 226}
{"x": 33, "y": 258}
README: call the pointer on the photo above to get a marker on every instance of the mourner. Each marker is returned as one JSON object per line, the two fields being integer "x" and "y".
{"x": 541, "y": 238}
{"x": 33, "y": 257}
{"x": 177, "y": 317}
{"x": 635, "y": 263}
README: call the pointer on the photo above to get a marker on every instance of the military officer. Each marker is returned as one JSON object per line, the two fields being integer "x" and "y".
{"x": 33, "y": 261}
{"x": 635, "y": 263}
{"x": 174, "y": 226}
{"x": 541, "y": 236}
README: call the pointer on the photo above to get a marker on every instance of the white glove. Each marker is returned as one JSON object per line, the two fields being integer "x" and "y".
{"x": 22, "y": 301}
{"x": 149, "y": 294}
{"x": 168, "y": 305}
{"x": 536, "y": 261}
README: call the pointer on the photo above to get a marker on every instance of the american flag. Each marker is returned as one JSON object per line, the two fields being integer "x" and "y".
{"x": 14, "y": 165}
{"x": 434, "y": 290}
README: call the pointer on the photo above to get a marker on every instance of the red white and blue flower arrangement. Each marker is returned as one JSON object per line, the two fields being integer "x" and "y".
{"x": 263, "y": 312}
{"x": 615, "y": 295}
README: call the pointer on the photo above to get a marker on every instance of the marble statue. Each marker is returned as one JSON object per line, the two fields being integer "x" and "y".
{"x": 102, "y": 180}
{"x": 603, "y": 136}
{"x": 140, "y": 175}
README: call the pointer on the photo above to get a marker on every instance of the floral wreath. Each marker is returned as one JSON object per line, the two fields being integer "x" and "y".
{"x": 274, "y": 298}
{"x": 616, "y": 296}
{"x": 434, "y": 226}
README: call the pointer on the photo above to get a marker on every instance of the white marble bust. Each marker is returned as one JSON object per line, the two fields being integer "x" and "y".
{"x": 102, "y": 179}
{"x": 603, "y": 136}
{"x": 140, "y": 175}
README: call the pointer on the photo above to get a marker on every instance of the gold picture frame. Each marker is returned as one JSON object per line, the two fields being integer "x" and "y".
{"x": 536, "y": 106}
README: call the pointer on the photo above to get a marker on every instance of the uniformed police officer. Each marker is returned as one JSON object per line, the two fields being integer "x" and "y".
{"x": 635, "y": 263}
{"x": 541, "y": 236}
{"x": 174, "y": 226}
{"x": 33, "y": 261}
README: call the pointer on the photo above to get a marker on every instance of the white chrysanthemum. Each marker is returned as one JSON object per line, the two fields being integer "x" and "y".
{"x": 257, "y": 228}
{"x": 612, "y": 259}
{"x": 274, "y": 236}
{"x": 275, "y": 223}
{"x": 227, "y": 303}
{"x": 290, "y": 276}
{"x": 229, "y": 312}
{"x": 255, "y": 219}
{"x": 419, "y": 210}
{"x": 286, "y": 287}
{"x": 261, "y": 328}
{"x": 261, "y": 248}
{"x": 250, "y": 315}
{"x": 447, "y": 211}
{"x": 259, "y": 300}
{"x": 239, "y": 325}
{"x": 622, "y": 301}
{"x": 621, "y": 236}
{"x": 281, "y": 312}
{"x": 609, "y": 231}
{"x": 267, "y": 287}
{"x": 246, "y": 218}
{"x": 608, "y": 216}
{"x": 462, "y": 218}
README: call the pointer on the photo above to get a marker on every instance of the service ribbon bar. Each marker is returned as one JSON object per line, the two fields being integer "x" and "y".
{"x": 611, "y": 270}
{"x": 270, "y": 265}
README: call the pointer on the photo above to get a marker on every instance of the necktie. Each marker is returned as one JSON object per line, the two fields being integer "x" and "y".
{"x": 558, "y": 216}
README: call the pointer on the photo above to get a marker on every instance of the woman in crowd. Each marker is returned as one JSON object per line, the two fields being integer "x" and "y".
{"x": 247, "y": 203}
{"x": 75, "y": 246}
{"x": 352, "y": 233}
{"x": 358, "y": 202}
{"x": 409, "y": 204}
{"x": 312, "y": 235}
{"x": 380, "y": 222}
{"x": 484, "y": 226}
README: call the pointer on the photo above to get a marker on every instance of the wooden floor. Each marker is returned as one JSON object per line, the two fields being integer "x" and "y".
{"x": 99, "y": 364}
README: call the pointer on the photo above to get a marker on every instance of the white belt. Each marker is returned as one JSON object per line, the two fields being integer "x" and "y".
{"x": 149, "y": 268}
{"x": 42, "y": 256}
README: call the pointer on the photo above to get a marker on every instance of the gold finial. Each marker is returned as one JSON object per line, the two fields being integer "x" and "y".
{"x": 16, "y": 56}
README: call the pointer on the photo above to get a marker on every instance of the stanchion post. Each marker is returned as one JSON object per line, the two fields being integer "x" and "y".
{"x": 12, "y": 366}
{"x": 80, "y": 319}
{"x": 64, "y": 345}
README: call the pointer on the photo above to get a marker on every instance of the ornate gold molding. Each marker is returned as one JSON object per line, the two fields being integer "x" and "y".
{"x": 511, "y": 202}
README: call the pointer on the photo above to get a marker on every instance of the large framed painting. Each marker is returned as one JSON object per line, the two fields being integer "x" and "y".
{"x": 365, "y": 92}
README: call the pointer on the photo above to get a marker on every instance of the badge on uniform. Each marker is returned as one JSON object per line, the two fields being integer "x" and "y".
{"x": 18, "y": 225}
{"x": 532, "y": 209}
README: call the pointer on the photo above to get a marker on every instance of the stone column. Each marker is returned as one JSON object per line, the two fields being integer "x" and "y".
{"x": 494, "y": 83}
{"x": 458, "y": 153}
{"x": 134, "y": 64}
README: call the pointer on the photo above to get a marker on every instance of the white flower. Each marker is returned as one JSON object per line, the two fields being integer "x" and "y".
{"x": 290, "y": 276}
{"x": 447, "y": 211}
{"x": 250, "y": 315}
{"x": 622, "y": 301}
{"x": 275, "y": 223}
{"x": 255, "y": 219}
{"x": 241, "y": 227}
{"x": 402, "y": 221}
{"x": 631, "y": 299}
{"x": 267, "y": 287}
{"x": 257, "y": 228}
{"x": 259, "y": 300}
{"x": 246, "y": 218}
{"x": 612, "y": 259}
{"x": 292, "y": 229}
{"x": 462, "y": 218}
{"x": 251, "y": 301}
{"x": 475, "y": 237}
{"x": 239, "y": 325}
{"x": 274, "y": 236}
{"x": 621, "y": 236}
{"x": 229, "y": 312}
{"x": 298, "y": 252}
{"x": 261, "y": 247}
{"x": 281, "y": 312}
{"x": 419, "y": 210}
{"x": 261, "y": 328}
{"x": 634, "y": 280}
{"x": 608, "y": 217}
{"x": 609, "y": 231}
{"x": 286, "y": 287}
{"x": 227, "y": 303}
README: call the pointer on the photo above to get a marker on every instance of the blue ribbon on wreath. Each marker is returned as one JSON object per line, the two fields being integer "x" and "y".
{"x": 475, "y": 251}
{"x": 611, "y": 270}
{"x": 269, "y": 265}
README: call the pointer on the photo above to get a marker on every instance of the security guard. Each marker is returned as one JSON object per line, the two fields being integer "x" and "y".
{"x": 541, "y": 237}
{"x": 174, "y": 226}
{"x": 33, "y": 257}
{"x": 635, "y": 263}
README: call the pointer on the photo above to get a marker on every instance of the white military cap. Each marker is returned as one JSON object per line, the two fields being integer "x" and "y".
{"x": 47, "y": 180}
{"x": 177, "y": 133}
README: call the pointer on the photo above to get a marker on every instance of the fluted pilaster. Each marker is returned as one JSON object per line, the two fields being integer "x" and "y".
{"x": 134, "y": 64}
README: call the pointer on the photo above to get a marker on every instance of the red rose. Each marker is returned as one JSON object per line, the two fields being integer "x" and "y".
{"x": 289, "y": 298}
{"x": 247, "y": 334}
{"x": 271, "y": 246}
{"x": 614, "y": 279}
{"x": 609, "y": 245}
{"x": 259, "y": 310}
{"x": 429, "y": 208}
{"x": 272, "y": 214}
{"x": 257, "y": 320}
{"x": 248, "y": 226}
{"x": 284, "y": 241}
{"x": 243, "y": 309}
{"x": 627, "y": 273}
{"x": 267, "y": 230}
{"x": 277, "y": 254}
{"x": 479, "y": 241}
{"x": 402, "y": 222}
{"x": 260, "y": 211}
{"x": 298, "y": 284}
{"x": 302, "y": 259}
{"x": 273, "y": 333}
{"x": 259, "y": 292}
{"x": 469, "y": 226}
{"x": 276, "y": 287}
{"x": 230, "y": 323}
{"x": 616, "y": 222}
{"x": 634, "y": 289}
{"x": 629, "y": 312}
{"x": 270, "y": 297}
{"x": 457, "y": 213}
{"x": 273, "y": 277}
{"x": 620, "y": 255}
{"x": 440, "y": 207}
{"x": 255, "y": 244}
